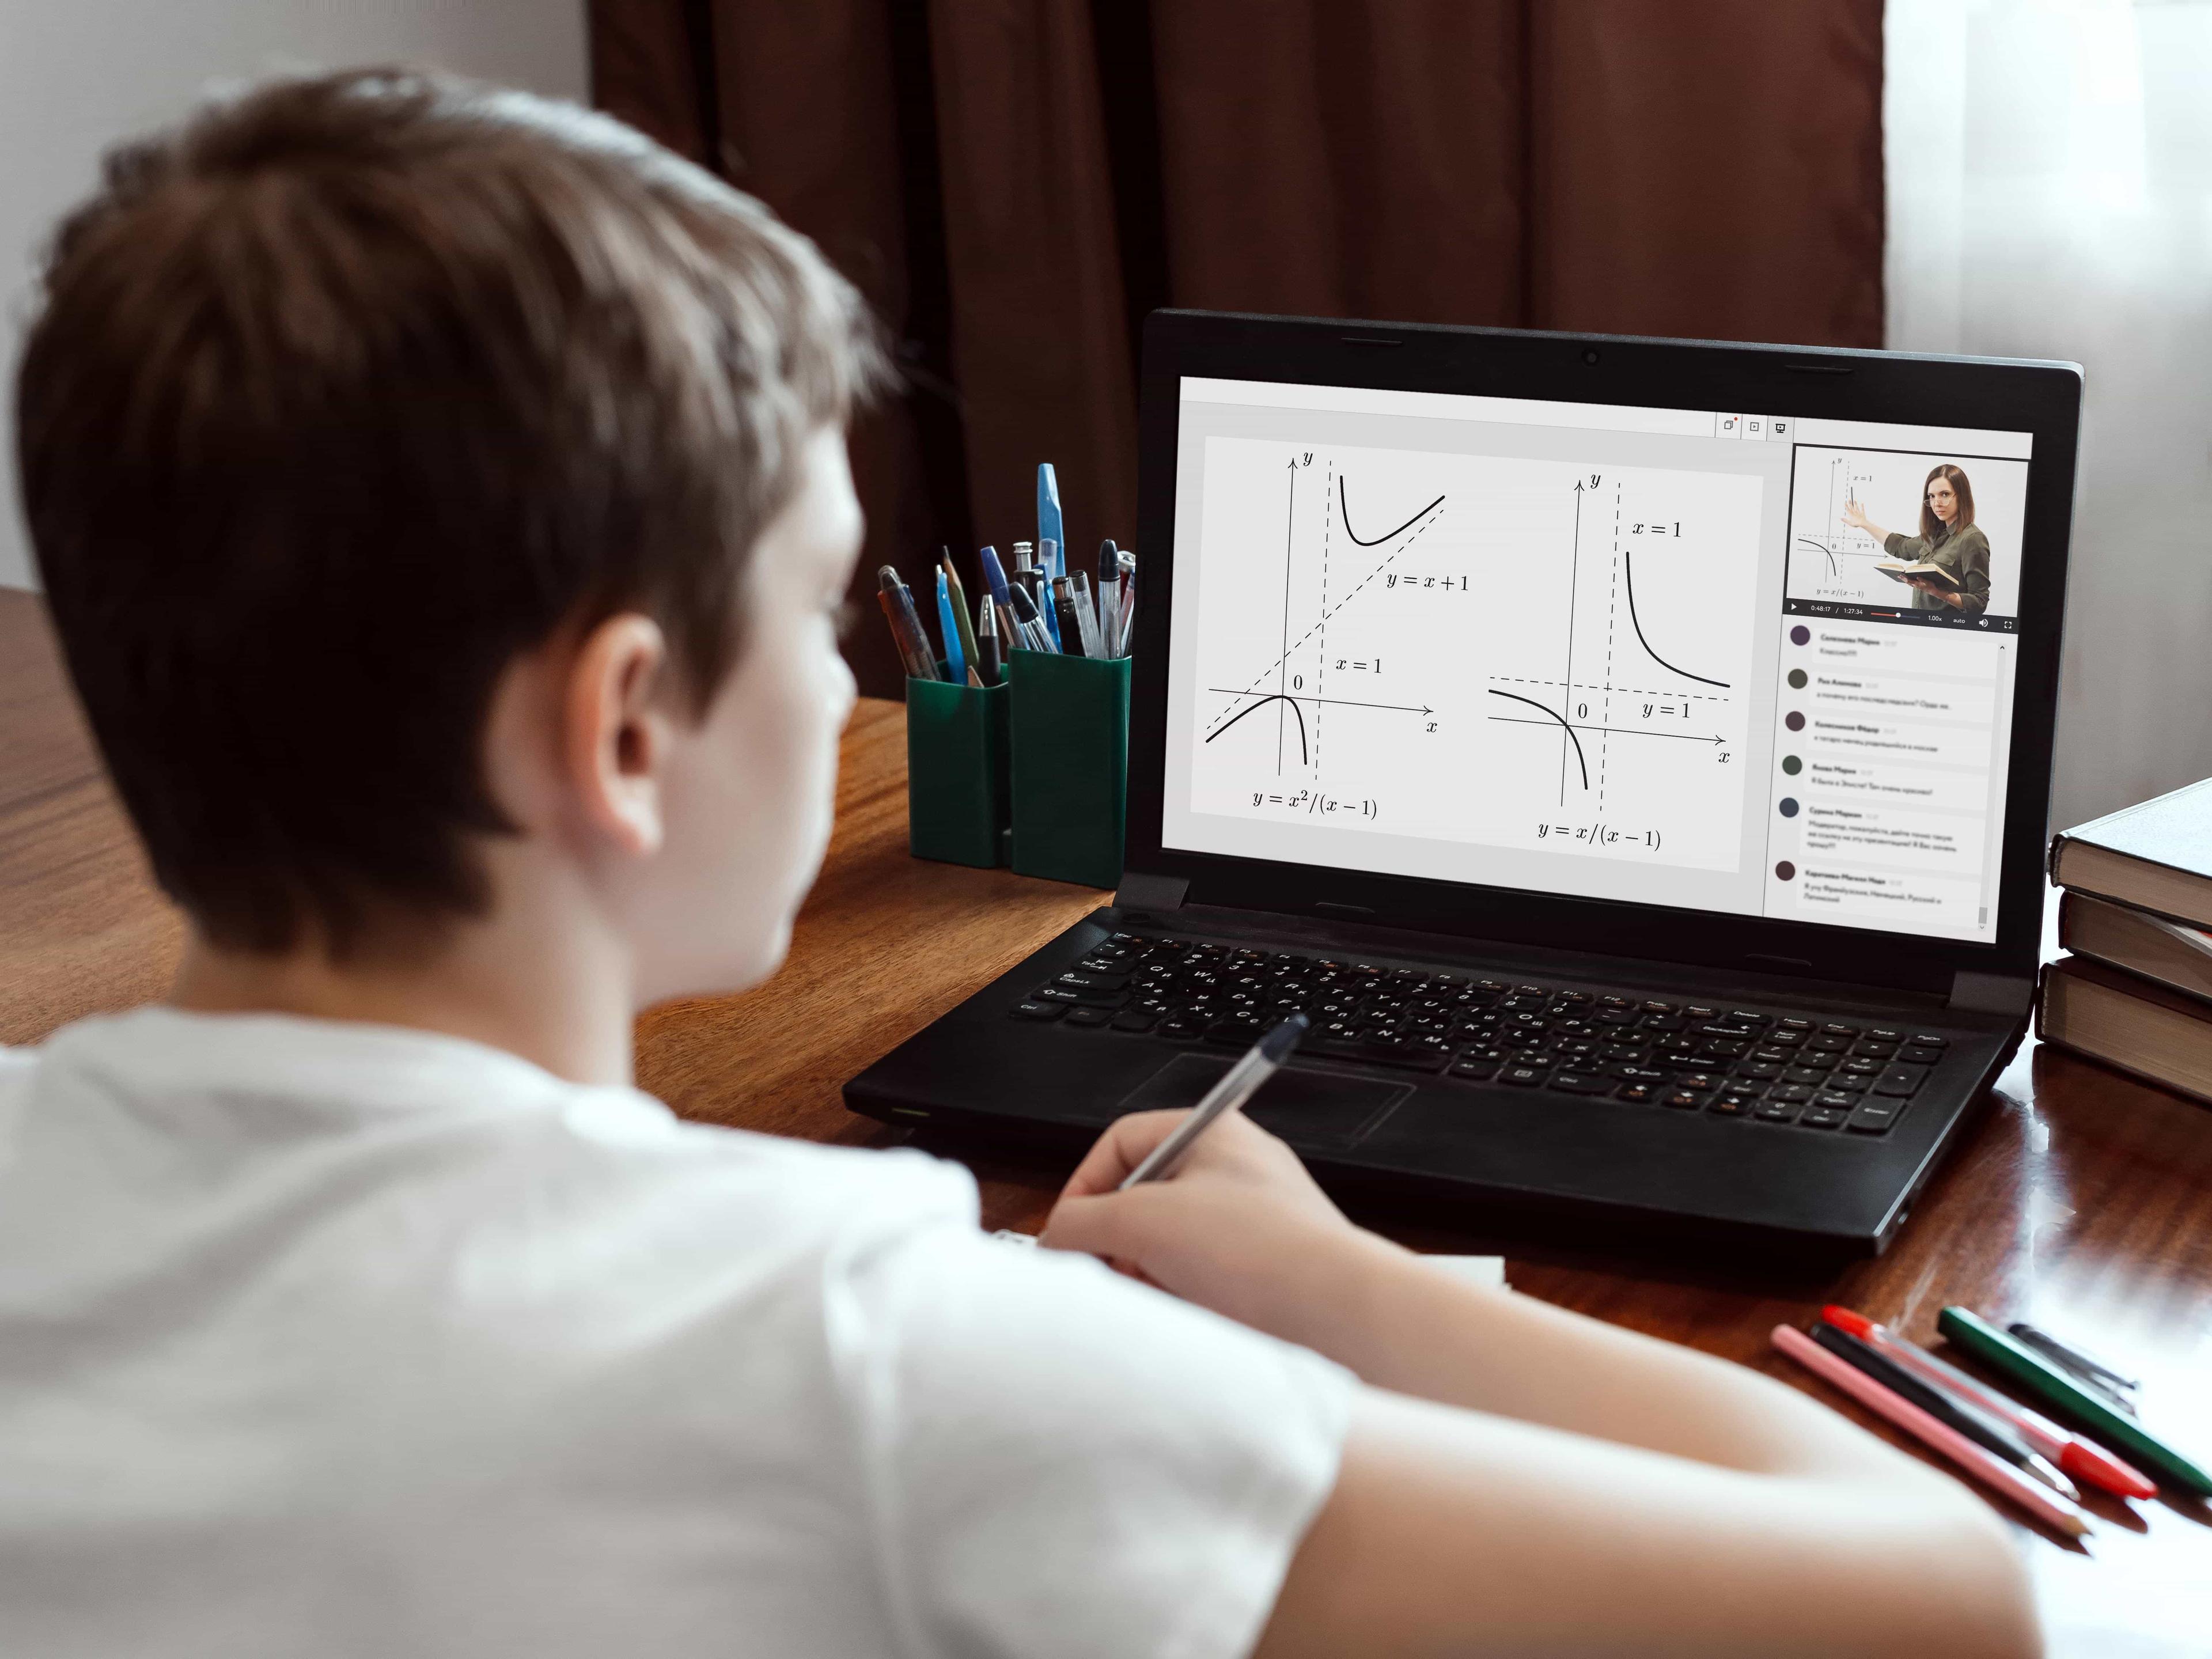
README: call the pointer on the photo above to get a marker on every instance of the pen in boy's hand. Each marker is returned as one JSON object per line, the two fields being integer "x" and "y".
{"x": 1260, "y": 1063}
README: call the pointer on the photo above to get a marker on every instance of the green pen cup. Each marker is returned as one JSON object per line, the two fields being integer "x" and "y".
{"x": 1070, "y": 765}
{"x": 957, "y": 789}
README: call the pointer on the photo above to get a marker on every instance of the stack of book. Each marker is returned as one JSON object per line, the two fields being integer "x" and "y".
{"x": 2137, "y": 991}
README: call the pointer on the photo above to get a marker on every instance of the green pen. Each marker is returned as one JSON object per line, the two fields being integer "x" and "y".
{"x": 2033, "y": 1371}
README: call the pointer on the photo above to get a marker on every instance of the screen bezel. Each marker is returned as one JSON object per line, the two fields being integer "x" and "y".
{"x": 1805, "y": 382}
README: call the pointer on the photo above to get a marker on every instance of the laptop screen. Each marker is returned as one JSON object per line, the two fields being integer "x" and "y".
{"x": 1722, "y": 661}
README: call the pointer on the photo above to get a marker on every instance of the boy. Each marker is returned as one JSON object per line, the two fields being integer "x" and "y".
{"x": 442, "y": 497}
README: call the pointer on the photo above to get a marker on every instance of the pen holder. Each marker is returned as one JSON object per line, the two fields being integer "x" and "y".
{"x": 956, "y": 772}
{"x": 1071, "y": 754}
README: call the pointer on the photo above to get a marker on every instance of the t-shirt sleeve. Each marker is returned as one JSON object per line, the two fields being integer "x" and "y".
{"x": 1062, "y": 1463}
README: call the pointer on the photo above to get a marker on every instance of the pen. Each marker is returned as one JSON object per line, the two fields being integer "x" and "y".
{"x": 1262, "y": 1062}
{"x": 2083, "y": 1364}
{"x": 2070, "y": 1451}
{"x": 1086, "y": 617}
{"x": 1991, "y": 1433}
{"x": 1027, "y": 629}
{"x": 1126, "y": 607}
{"x": 994, "y": 575}
{"x": 2024, "y": 1365}
{"x": 1109, "y": 582}
{"x": 1071, "y": 623}
{"x": 1048, "y": 598}
{"x": 956, "y": 659}
{"x": 988, "y": 642}
{"x": 906, "y": 626}
{"x": 1050, "y": 533}
{"x": 959, "y": 595}
{"x": 2038, "y": 1501}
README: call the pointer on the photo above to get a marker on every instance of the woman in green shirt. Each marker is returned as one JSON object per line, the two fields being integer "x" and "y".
{"x": 1948, "y": 536}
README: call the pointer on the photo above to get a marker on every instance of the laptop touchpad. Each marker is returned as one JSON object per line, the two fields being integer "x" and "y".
{"x": 1306, "y": 1109}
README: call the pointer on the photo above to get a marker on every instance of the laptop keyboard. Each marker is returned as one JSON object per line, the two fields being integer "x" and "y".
{"x": 1681, "y": 1056}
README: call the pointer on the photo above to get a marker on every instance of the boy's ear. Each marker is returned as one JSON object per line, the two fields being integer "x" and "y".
{"x": 616, "y": 731}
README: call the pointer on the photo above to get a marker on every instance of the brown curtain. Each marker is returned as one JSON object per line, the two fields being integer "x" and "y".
{"x": 1015, "y": 183}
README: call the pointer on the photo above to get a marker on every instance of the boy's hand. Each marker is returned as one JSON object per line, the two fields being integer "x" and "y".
{"x": 1240, "y": 1227}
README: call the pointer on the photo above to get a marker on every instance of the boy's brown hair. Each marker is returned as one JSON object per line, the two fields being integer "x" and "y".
{"x": 347, "y": 390}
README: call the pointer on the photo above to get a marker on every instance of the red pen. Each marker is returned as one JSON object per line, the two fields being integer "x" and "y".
{"x": 2072, "y": 1454}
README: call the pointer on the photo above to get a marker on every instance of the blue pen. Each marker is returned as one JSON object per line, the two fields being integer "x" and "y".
{"x": 954, "y": 660}
{"x": 1050, "y": 533}
{"x": 995, "y": 578}
{"x": 1048, "y": 562}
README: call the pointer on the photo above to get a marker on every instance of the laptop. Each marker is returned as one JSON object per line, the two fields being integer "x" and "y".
{"x": 1632, "y": 756}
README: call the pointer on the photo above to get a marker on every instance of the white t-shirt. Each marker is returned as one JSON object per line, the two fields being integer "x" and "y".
{"x": 340, "y": 1340}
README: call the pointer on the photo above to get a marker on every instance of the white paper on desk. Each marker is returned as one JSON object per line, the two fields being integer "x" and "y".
{"x": 1474, "y": 1269}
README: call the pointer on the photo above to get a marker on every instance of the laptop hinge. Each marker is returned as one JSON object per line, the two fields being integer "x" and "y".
{"x": 1139, "y": 891}
{"x": 1990, "y": 993}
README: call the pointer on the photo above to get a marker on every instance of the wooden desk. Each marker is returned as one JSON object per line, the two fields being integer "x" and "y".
{"x": 2082, "y": 1200}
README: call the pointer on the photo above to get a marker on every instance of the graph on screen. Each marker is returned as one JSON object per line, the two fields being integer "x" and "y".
{"x": 1529, "y": 654}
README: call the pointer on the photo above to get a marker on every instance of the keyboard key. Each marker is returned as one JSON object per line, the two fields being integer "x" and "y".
{"x": 1743, "y": 1017}
{"x": 1821, "y": 1117}
{"x": 1899, "y": 1081}
{"x": 1774, "y": 1056}
{"x": 1723, "y": 1050}
{"x": 1523, "y": 1076}
{"x": 1828, "y": 1045}
{"x": 1795, "y": 1094}
{"x": 1055, "y": 993}
{"x": 1701, "y": 1081}
{"x": 1684, "y": 1100}
{"x": 1640, "y": 1074}
{"x": 1763, "y": 1071}
{"x": 1880, "y": 1034}
{"x": 1861, "y": 1068}
{"x": 1919, "y": 1056}
{"x": 1728, "y": 1106}
{"x": 1035, "y": 1009}
{"x": 1088, "y": 1016}
{"x": 1802, "y": 1027}
{"x": 1872, "y": 1119}
{"x": 1479, "y": 1070}
{"x": 1184, "y": 1025}
{"x": 1697, "y": 1013}
{"x": 1849, "y": 1086}
{"x": 1776, "y": 1111}
{"x": 1835, "y": 1103}
{"x": 1869, "y": 1050}
{"x": 1929, "y": 1040}
{"x": 1093, "y": 982}
{"x": 1637, "y": 1093}
{"x": 1835, "y": 1030}
{"x": 1135, "y": 1020}
{"x": 1582, "y": 1083}
{"x": 1809, "y": 1075}
{"x": 1783, "y": 1037}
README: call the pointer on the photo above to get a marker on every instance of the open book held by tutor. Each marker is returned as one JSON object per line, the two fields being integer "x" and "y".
{"x": 1935, "y": 573}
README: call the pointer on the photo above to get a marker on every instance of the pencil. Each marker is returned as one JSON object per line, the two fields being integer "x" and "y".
{"x": 1992, "y": 1471}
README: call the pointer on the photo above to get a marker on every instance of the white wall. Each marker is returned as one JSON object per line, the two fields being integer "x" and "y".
{"x": 77, "y": 75}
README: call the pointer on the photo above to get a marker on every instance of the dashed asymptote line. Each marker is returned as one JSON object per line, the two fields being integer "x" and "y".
{"x": 1424, "y": 514}
{"x": 1262, "y": 702}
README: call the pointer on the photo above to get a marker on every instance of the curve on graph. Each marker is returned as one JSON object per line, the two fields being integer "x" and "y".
{"x": 1564, "y": 727}
{"x": 1628, "y": 560}
{"x": 1273, "y": 696}
{"x": 1807, "y": 541}
{"x": 1379, "y": 540}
